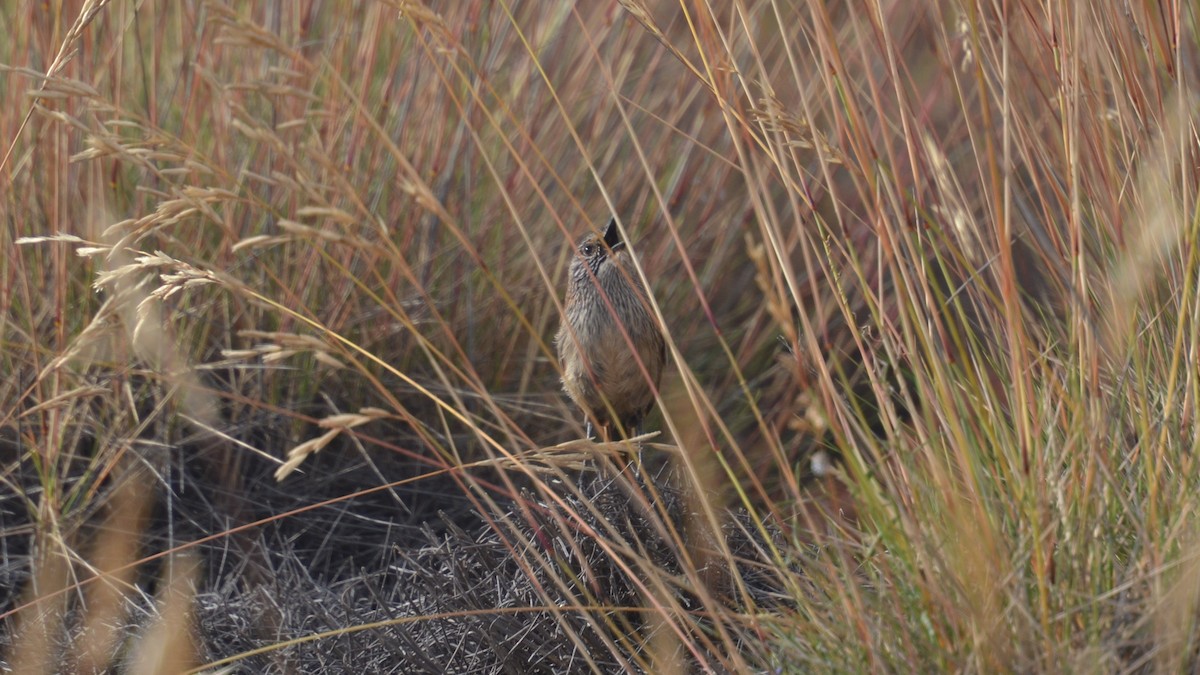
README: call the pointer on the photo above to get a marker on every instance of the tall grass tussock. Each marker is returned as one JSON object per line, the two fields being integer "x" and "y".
{"x": 280, "y": 282}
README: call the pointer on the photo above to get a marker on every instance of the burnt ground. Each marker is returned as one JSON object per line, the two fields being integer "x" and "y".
{"x": 421, "y": 558}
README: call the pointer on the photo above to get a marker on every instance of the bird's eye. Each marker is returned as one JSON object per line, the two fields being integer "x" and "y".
{"x": 587, "y": 250}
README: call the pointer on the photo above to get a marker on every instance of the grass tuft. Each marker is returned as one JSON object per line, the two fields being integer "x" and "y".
{"x": 279, "y": 285}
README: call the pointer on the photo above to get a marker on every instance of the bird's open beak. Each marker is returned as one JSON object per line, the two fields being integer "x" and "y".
{"x": 612, "y": 237}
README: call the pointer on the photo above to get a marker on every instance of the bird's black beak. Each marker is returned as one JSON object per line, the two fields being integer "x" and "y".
{"x": 612, "y": 237}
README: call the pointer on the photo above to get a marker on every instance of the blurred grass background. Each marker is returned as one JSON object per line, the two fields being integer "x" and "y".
{"x": 928, "y": 271}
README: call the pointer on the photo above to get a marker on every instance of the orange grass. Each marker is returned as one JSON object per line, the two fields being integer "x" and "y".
{"x": 950, "y": 243}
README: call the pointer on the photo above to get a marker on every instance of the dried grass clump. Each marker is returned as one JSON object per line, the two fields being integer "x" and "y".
{"x": 559, "y": 603}
{"x": 291, "y": 271}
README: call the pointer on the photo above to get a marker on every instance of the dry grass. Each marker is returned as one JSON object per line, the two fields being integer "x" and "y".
{"x": 278, "y": 285}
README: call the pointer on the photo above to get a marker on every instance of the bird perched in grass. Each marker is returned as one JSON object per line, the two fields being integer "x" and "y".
{"x": 610, "y": 345}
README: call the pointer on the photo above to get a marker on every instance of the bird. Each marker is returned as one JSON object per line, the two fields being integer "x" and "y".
{"x": 606, "y": 321}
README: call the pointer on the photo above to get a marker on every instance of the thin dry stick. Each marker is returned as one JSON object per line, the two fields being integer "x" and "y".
{"x": 90, "y": 9}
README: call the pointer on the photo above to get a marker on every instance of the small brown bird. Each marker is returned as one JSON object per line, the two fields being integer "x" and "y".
{"x": 599, "y": 371}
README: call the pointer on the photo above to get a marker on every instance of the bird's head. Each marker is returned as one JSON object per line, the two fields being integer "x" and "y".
{"x": 594, "y": 250}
